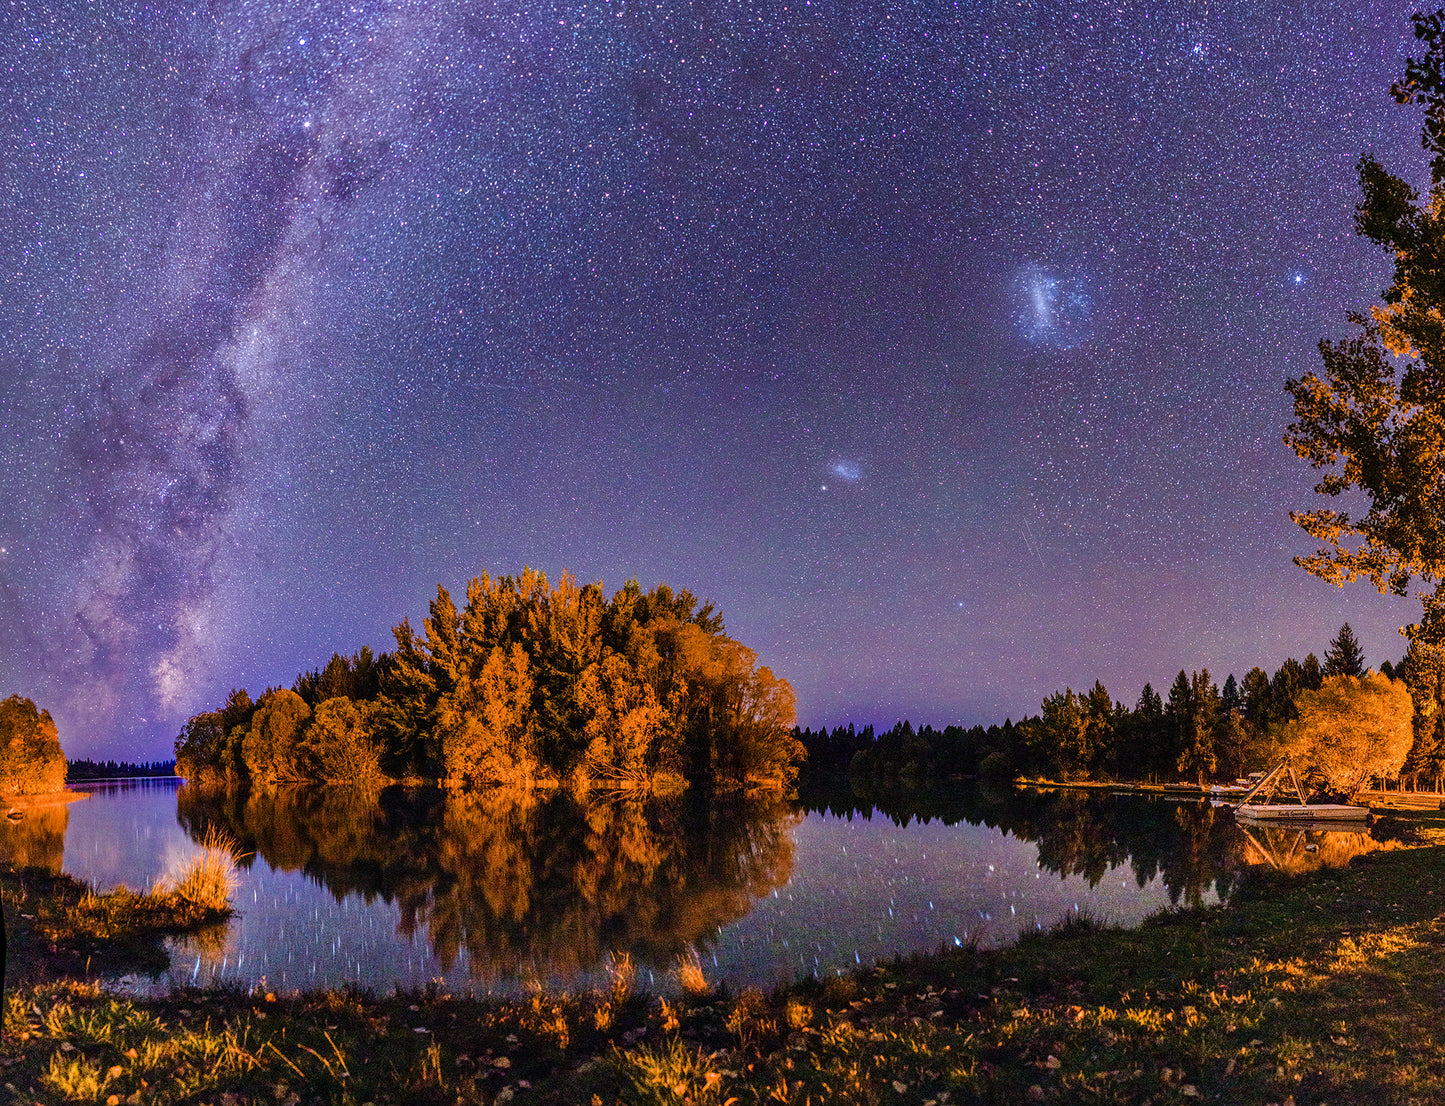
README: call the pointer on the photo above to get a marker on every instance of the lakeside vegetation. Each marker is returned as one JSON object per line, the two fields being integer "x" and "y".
{"x": 1318, "y": 987}
{"x": 1199, "y": 732}
{"x": 526, "y": 684}
{"x": 31, "y": 761}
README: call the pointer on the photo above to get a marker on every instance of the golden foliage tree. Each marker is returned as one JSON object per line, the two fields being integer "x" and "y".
{"x": 337, "y": 747}
{"x": 630, "y": 737}
{"x": 271, "y": 748}
{"x": 484, "y": 721}
{"x": 1373, "y": 417}
{"x": 31, "y": 762}
{"x": 527, "y": 683}
{"x": 1353, "y": 729}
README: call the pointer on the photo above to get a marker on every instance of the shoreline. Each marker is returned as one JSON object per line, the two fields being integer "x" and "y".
{"x": 1314, "y": 986}
{"x": 1384, "y": 800}
{"x": 49, "y": 798}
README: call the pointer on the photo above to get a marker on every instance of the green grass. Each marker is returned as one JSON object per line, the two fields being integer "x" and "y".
{"x": 1321, "y": 988}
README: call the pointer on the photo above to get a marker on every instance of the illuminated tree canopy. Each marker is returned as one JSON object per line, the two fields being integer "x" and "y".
{"x": 1353, "y": 729}
{"x": 527, "y": 683}
{"x": 1373, "y": 416}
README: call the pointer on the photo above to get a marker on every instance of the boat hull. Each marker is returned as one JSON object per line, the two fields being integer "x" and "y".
{"x": 1293, "y": 812}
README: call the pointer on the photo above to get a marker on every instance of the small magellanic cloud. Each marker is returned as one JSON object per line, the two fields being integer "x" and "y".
{"x": 849, "y": 471}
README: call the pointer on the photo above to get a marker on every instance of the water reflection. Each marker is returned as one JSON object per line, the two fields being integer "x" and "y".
{"x": 1195, "y": 849}
{"x": 520, "y": 884}
{"x": 1191, "y": 847}
{"x": 492, "y": 891}
{"x": 37, "y": 840}
{"x": 1297, "y": 849}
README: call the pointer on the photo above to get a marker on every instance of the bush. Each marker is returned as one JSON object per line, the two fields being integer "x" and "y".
{"x": 31, "y": 762}
{"x": 996, "y": 766}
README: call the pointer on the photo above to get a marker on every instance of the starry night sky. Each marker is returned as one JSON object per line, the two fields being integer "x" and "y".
{"x": 940, "y": 344}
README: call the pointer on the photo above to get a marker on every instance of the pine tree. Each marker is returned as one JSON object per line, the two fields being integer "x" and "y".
{"x": 1345, "y": 657}
{"x": 1230, "y": 698}
{"x": 1311, "y": 674}
{"x": 1198, "y": 756}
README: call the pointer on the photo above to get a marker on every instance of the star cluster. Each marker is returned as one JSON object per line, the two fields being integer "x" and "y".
{"x": 940, "y": 344}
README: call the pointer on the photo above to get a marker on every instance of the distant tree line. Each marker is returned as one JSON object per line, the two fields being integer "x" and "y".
{"x": 1197, "y": 730}
{"x": 527, "y": 683}
{"x": 116, "y": 769}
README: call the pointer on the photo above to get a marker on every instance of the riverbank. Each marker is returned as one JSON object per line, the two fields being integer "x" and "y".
{"x": 38, "y": 802}
{"x": 1115, "y": 787}
{"x": 1318, "y": 988}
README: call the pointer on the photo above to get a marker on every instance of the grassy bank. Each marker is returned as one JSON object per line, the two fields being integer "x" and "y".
{"x": 1320, "y": 988}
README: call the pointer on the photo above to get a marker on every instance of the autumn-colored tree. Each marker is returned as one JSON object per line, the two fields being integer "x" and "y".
{"x": 31, "y": 762}
{"x": 200, "y": 748}
{"x": 760, "y": 750}
{"x": 1353, "y": 729}
{"x": 485, "y": 723}
{"x": 630, "y": 737}
{"x": 338, "y": 746}
{"x": 271, "y": 748}
{"x": 1373, "y": 417}
{"x": 527, "y": 683}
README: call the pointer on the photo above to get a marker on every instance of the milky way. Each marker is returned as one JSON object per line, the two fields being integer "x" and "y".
{"x": 940, "y": 344}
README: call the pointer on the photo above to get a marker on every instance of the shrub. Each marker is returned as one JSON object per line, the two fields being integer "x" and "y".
{"x": 995, "y": 766}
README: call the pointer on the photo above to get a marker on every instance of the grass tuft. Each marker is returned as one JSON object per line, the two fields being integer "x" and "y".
{"x": 690, "y": 977}
{"x": 208, "y": 878}
{"x": 670, "y": 1073}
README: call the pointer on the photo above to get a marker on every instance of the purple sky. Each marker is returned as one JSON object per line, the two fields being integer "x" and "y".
{"x": 940, "y": 345}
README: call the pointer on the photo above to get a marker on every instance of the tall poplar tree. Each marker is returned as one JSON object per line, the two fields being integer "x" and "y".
{"x": 1373, "y": 417}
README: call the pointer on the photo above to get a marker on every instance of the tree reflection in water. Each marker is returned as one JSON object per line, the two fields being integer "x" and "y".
{"x": 37, "y": 840}
{"x": 521, "y": 883}
{"x": 1192, "y": 847}
{"x": 510, "y": 886}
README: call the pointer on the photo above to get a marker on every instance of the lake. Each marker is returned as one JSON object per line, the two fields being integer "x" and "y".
{"x": 500, "y": 892}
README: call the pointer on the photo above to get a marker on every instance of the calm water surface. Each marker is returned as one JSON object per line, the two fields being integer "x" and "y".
{"x": 492, "y": 895}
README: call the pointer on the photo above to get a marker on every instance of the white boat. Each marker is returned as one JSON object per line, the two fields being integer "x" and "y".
{"x": 1263, "y": 811}
{"x": 1295, "y": 812}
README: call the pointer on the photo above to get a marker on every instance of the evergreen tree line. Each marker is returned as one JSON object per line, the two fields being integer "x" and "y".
{"x": 116, "y": 769}
{"x": 527, "y": 683}
{"x": 1197, "y": 730}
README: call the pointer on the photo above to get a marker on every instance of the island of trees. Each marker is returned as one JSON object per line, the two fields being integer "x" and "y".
{"x": 526, "y": 684}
